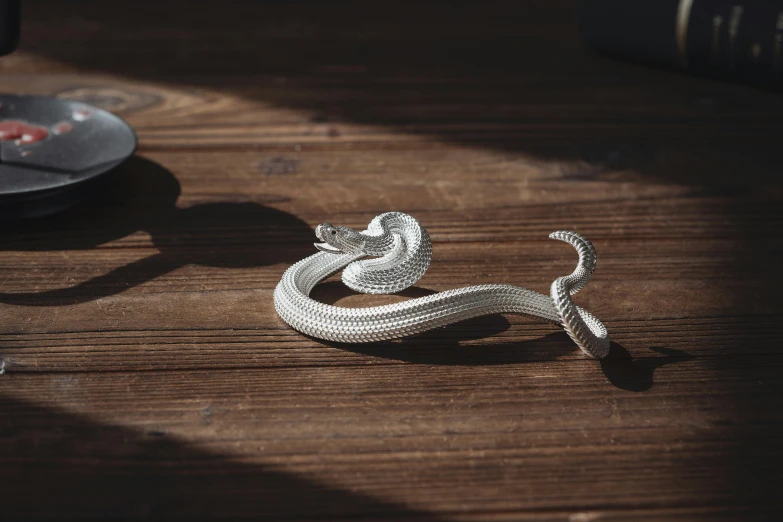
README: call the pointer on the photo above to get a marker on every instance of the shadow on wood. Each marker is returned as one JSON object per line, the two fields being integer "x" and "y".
{"x": 491, "y": 75}
{"x": 141, "y": 196}
{"x": 443, "y": 346}
{"x": 58, "y": 465}
{"x": 637, "y": 374}
{"x": 507, "y": 76}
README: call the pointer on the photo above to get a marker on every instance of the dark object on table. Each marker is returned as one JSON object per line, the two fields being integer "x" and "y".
{"x": 9, "y": 25}
{"x": 737, "y": 41}
{"x": 52, "y": 150}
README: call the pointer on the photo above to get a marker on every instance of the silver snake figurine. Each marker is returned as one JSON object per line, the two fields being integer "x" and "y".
{"x": 401, "y": 251}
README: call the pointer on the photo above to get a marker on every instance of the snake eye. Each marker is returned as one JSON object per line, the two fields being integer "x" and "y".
{"x": 334, "y": 232}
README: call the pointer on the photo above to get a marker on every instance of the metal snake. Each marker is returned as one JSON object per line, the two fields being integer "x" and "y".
{"x": 402, "y": 251}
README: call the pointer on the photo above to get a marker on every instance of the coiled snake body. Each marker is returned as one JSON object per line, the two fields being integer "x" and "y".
{"x": 403, "y": 252}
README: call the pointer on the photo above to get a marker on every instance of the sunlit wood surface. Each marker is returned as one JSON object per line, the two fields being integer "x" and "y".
{"x": 147, "y": 374}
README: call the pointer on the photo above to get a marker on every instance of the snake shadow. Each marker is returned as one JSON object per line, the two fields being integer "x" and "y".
{"x": 141, "y": 196}
{"x": 636, "y": 374}
{"x": 444, "y": 346}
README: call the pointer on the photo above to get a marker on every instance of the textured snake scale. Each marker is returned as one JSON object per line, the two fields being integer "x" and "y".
{"x": 399, "y": 252}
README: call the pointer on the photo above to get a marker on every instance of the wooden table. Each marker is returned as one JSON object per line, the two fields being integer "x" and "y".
{"x": 147, "y": 374}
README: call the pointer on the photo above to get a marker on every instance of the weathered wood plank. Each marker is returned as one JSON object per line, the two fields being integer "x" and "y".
{"x": 523, "y": 432}
{"x": 147, "y": 375}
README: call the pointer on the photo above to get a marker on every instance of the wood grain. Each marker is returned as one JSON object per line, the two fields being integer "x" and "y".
{"x": 147, "y": 375}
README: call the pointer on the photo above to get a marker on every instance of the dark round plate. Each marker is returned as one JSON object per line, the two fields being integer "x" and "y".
{"x": 52, "y": 150}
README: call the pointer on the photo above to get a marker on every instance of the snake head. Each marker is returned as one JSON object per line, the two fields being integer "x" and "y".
{"x": 339, "y": 240}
